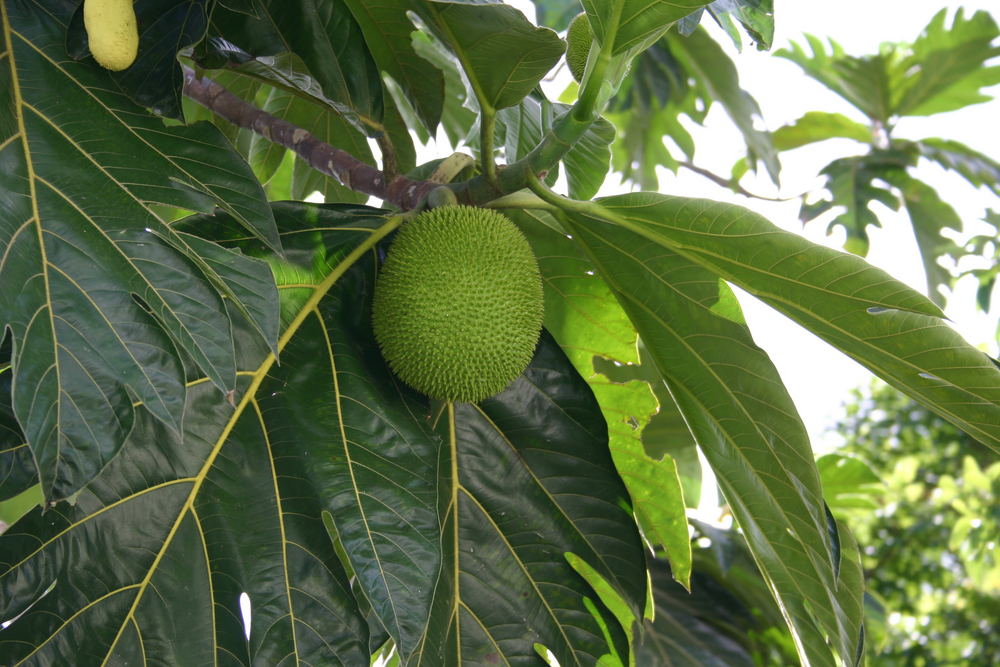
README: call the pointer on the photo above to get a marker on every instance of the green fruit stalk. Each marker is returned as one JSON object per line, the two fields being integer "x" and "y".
{"x": 458, "y": 303}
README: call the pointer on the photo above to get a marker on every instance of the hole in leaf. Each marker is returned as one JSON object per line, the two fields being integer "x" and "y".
{"x": 245, "y": 613}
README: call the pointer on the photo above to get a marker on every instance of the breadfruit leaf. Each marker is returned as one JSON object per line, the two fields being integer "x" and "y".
{"x": 529, "y": 477}
{"x": 106, "y": 304}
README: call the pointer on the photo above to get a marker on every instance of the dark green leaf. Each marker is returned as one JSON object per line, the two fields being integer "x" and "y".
{"x": 323, "y": 34}
{"x": 388, "y": 30}
{"x": 886, "y": 326}
{"x": 503, "y": 54}
{"x": 235, "y": 503}
{"x": 742, "y": 416}
{"x": 635, "y": 24}
{"x": 586, "y": 320}
{"x": 527, "y": 491}
{"x": 848, "y": 484}
{"x": 99, "y": 294}
{"x": 696, "y": 629}
{"x": 456, "y": 118}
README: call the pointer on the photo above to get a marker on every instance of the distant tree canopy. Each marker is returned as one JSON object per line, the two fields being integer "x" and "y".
{"x": 928, "y": 524}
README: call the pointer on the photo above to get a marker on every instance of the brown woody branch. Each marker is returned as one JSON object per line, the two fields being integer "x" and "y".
{"x": 351, "y": 172}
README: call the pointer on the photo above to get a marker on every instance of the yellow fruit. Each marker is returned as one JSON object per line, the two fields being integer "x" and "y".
{"x": 579, "y": 39}
{"x": 458, "y": 303}
{"x": 112, "y": 32}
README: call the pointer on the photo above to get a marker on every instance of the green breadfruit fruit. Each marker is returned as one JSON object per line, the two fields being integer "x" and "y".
{"x": 458, "y": 305}
{"x": 579, "y": 39}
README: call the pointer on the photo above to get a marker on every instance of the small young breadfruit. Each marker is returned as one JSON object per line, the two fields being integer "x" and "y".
{"x": 458, "y": 303}
{"x": 579, "y": 39}
{"x": 112, "y": 32}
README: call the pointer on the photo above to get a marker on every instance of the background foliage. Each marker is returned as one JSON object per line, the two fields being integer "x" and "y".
{"x": 189, "y": 386}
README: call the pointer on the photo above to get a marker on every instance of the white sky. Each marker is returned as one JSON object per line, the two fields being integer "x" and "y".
{"x": 819, "y": 377}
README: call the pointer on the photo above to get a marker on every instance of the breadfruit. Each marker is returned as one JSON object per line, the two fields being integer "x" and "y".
{"x": 458, "y": 305}
{"x": 579, "y": 39}
{"x": 112, "y": 32}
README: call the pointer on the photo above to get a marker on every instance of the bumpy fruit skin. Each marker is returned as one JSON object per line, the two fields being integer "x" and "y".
{"x": 112, "y": 32}
{"x": 579, "y": 39}
{"x": 458, "y": 303}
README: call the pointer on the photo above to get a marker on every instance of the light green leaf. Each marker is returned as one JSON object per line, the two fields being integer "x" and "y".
{"x": 816, "y": 126}
{"x": 104, "y": 301}
{"x": 528, "y": 477}
{"x": 580, "y": 311}
{"x": 653, "y": 483}
{"x": 743, "y": 419}
{"x": 883, "y": 324}
{"x": 586, "y": 319}
{"x": 504, "y": 56}
{"x": 332, "y": 60}
{"x": 234, "y": 503}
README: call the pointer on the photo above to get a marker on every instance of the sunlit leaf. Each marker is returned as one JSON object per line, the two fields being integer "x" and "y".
{"x": 585, "y": 318}
{"x": 848, "y": 484}
{"x": 947, "y": 67}
{"x": 893, "y": 330}
{"x": 741, "y": 415}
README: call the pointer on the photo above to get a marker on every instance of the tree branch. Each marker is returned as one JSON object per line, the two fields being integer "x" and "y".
{"x": 351, "y": 172}
{"x": 402, "y": 192}
{"x": 729, "y": 183}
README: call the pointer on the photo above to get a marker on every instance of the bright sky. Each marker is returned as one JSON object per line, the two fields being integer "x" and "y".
{"x": 819, "y": 377}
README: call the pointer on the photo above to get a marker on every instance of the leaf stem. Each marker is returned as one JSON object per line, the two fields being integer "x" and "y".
{"x": 321, "y": 156}
{"x": 487, "y": 126}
